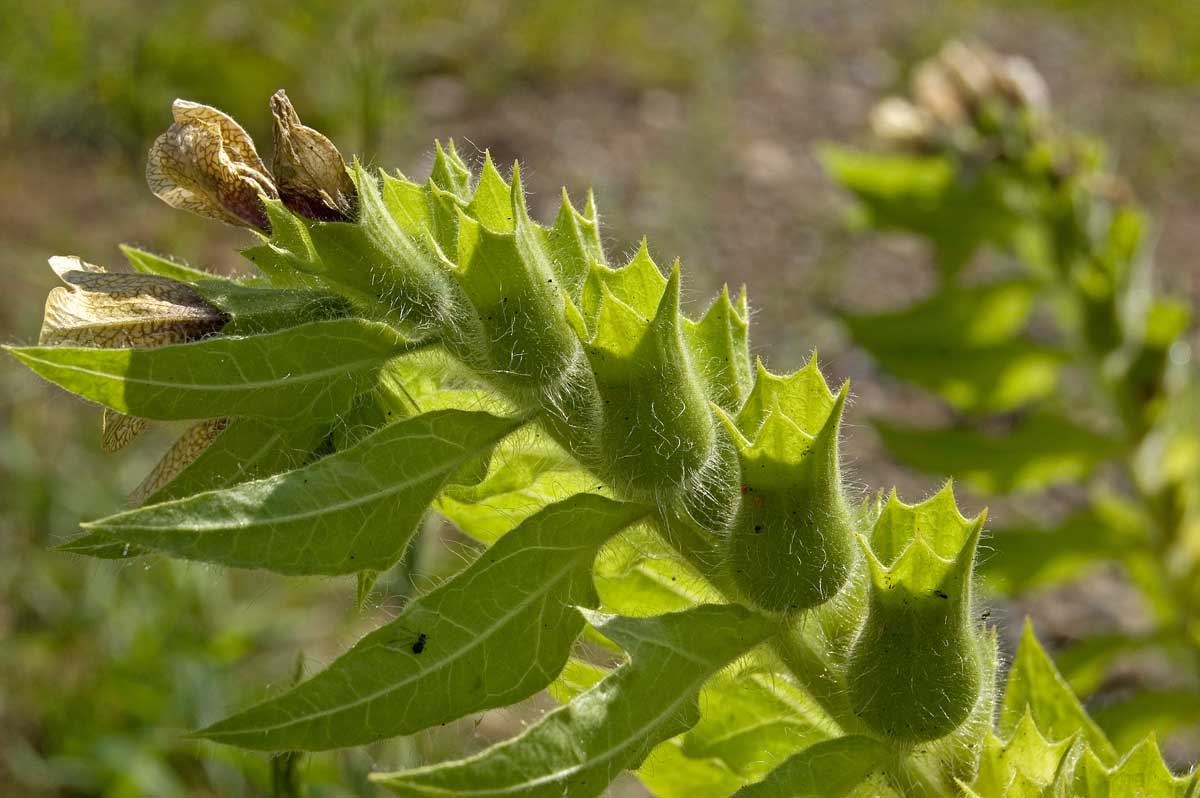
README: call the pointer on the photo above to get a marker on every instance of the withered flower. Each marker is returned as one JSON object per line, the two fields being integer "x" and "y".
{"x": 190, "y": 445}
{"x": 935, "y": 93}
{"x": 308, "y": 170}
{"x": 116, "y": 310}
{"x": 1020, "y": 81}
{"x": 206, "y": 163}
{"x": 972, "y": 68}
{"x": 112, "y": 310}
{"x": 898, "y": 121}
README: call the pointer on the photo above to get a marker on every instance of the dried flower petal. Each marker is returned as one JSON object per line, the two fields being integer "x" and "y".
{"x": 119, "y": 430}
{"x": 897, "y": 121}
{"x": 106, "y": 310}
{"x": 206, "y": 163}
{"x": 309, "y": 171}
{"x": 935, "y": 92}
{"x": 1020, "y": 81}
{"x": 190, "y": 445}
{"x": 971, "y": 67}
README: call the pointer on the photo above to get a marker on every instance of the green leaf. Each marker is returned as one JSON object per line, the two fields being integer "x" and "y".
{"x": 830, "y": 769}
{"x": 449, "y": 172}
{"x": 802, "y": 396}
{"x": 579, "y": 748}
{"x": 312, "y": 370}
{"x": 668, "y": 772}
{"x": 573, "y": 244}
{"x": 638, "y": 572}
{"x": 1036, "y": 452}
{"x": 492, "y": 635}
{"x": 526, "y": 473}
{"x": 249, "y": 448}
{"x": 1149, "y": 711}
{"x": 1026, "y": 755}
{"x": 751, "y": 720}
{"x": 1035, "y": 686}
{"x": 965, "y": 346}
{"x": 491, "y": 205}
{"x": 1025, "y": 557}
{"x": 638, "y": 284}
{"x": 354, "y": 510}
{"x": 1141, "y": 774}
{"x": 931, "y": 196}
{"x": 720, "y": 350}
{"x": 257, "y": 310}
{"x": 149, "y": 263}
{"x": 1085, "y": 663}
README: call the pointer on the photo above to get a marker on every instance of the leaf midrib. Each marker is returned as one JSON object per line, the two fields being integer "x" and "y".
{"x": 477, "y": 640}
{"x": 320, "y": 510}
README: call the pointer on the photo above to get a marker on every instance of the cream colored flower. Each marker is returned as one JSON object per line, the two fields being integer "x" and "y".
{"x": 308, "y": 170}
{"x": 206, "y": 163}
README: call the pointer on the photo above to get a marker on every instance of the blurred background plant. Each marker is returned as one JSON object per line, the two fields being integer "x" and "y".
{"x": 1061, "y": 364}
{"x": 696, "y": 122}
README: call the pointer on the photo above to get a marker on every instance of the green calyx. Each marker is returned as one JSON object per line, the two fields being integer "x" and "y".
{"x": 916, "y": 669}
{"x": 519, "y": 334}
{"x": 657, "y": 432}
{"x": 792, "y": 542}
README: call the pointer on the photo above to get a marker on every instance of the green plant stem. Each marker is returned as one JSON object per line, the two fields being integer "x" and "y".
{"x": 1163, "y": 531}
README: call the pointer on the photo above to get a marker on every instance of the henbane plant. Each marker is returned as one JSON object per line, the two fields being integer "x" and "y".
{"x": 629, "y": 474}
{"x": 1066, "y": 344}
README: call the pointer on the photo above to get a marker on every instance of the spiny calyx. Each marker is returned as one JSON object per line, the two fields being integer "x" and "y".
{"x": 792, "y": 542}
{"x": 916, "y": 668}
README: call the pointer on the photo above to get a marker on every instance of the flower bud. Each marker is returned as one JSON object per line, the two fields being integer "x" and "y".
{"x": 792, "y": 543}
{"x": 206, "y": 163}
{"x": 917, "y": 667}
{"x": 309, "y": 172}
{"x": 657, "y": 432}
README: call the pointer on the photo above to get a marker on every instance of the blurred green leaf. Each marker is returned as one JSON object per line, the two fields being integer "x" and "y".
{"x": 1035, "y": 452}
{"x": 1128, "y": 720}
{"x": 1085, "y": 663}
{"x": 927, "y": 195}
{"x": 965, "y": 346}
{"x": 1026, "y": 557}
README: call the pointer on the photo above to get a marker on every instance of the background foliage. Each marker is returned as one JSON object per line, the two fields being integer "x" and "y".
{"x": 659, "y": 105}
